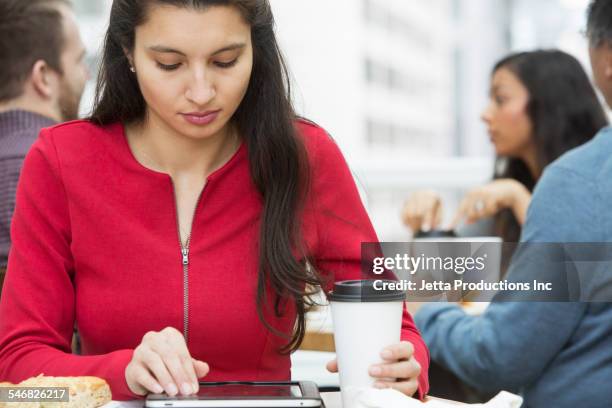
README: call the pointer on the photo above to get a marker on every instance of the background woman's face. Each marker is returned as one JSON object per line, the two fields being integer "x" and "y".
{"x": 193, "y": 61}
{"x": 509, "y": 126}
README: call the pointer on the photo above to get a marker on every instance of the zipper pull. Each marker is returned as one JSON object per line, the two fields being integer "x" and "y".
{"x": 185, "y": 252}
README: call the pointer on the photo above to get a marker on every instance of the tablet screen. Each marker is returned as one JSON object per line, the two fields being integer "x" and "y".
{"x": 245, "y": 390}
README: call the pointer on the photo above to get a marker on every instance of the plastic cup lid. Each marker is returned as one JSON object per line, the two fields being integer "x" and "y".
{"x": 365, "y": 291}
{"x": 436, "y": 234}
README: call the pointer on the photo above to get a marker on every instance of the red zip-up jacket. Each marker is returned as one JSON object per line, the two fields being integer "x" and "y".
{"x": 95, "y": 243}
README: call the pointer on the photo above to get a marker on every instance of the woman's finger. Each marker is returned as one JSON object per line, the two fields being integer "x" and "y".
{"x": 459, "y": 215}
{"x": 154, "y": 363}
{"x": 201, "y": 368}
{"x": 332, "y": 366}
{"x": 417, "y": 208}
{"x": 400, "y": 351}
{"x": 192, "y": 378}
{"x": 467, "y": 208}
{"x": 438, "y": 216}
{"x": 401, "y": 370}
{"x": 430, "y": 215}
{"x": 176, "y": 366}
{"x": 406, "y": 216}
{"x": 483, "y": 206}
{"x": 147, "y": 381}
{"x": 475, "y": 206}
{"x": 408, "y": 388}
{"x": 411, "y": 217}
{"x": 491, "y": 207}
{"x": 181, "y": 361}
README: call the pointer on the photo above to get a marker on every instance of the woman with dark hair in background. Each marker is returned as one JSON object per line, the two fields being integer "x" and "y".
{"x": 181, "y": 226}
{"x": 541, "y": 105}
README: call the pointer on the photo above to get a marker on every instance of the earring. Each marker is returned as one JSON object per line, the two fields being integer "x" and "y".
{"x": 133, "y": 69}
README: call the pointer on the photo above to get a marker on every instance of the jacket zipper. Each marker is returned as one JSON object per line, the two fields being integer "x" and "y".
{"x": 185, "y": 257}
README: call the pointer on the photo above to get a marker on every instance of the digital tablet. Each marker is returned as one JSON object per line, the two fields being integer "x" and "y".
{"x": 301, "y": 394}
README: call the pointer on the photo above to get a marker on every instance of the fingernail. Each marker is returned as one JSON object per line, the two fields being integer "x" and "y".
{"x": 158, "y": 389}
{"x": 386, "y": 354}
{"x": 196, "y": 387}
{"x": 375, "y": 371}
{"x": 172, "y": 390}
{"x": 425, "y": 227}
{"x": 186, "y": 389}
{"x": 380, "y": 385}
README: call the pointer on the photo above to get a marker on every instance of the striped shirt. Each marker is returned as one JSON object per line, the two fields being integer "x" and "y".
{"x": 18, "y": 130}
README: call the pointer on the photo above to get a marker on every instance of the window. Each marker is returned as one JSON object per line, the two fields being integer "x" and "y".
{"x": 89, "y": 8}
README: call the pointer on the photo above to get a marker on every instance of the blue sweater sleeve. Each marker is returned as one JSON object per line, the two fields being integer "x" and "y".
{"x": 511, "y": 344}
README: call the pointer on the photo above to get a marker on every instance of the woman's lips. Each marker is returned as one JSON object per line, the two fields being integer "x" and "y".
{"x": 201, "y": 118}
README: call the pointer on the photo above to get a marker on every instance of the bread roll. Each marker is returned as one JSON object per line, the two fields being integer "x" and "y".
{"x": 84, "y": 392}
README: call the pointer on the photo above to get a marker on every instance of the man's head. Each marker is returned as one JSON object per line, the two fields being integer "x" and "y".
{"x": 599, "y": 33}
{"x": 43, "y": 67}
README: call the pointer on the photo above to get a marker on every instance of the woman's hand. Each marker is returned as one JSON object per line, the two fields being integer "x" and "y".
{"x": 488, "y": 200}
{"x": 399, "y": 364}
{"x": 162, "y": 363}
{"x": 422, "y": 211}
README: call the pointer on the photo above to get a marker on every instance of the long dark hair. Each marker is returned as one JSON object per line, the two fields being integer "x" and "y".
{"x": 564, "y": 112}
{"x": 265, "y": 119}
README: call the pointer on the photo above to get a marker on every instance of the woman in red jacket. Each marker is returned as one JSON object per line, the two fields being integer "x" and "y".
{"x": 180, "y": 225}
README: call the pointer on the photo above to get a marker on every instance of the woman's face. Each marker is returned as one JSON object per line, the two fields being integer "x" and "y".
{"x": 509, "y": 126}
{"x": 193, "y": 67}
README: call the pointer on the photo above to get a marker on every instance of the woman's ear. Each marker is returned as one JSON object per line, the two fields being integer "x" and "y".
{"x": 43, "y": 78}
{"x": 608, "y": 61}
{"x": 129, "y": 57}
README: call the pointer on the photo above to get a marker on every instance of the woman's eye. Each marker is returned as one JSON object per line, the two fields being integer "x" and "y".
{"x": 168, "y": 67}
{"x": 226, "y": 64}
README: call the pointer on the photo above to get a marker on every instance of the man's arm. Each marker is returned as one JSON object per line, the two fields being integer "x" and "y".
{"x": 512, "y": 342}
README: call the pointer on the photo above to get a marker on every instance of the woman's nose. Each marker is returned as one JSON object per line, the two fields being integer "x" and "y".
{"x": 200, "y": 91}
{"x": 487, "y": 114}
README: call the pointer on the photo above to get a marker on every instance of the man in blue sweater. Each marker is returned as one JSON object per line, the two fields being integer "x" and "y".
{"x": 556, "y": 354}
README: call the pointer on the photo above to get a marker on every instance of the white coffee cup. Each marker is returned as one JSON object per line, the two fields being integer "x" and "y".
{"x": 366, "y": 321}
